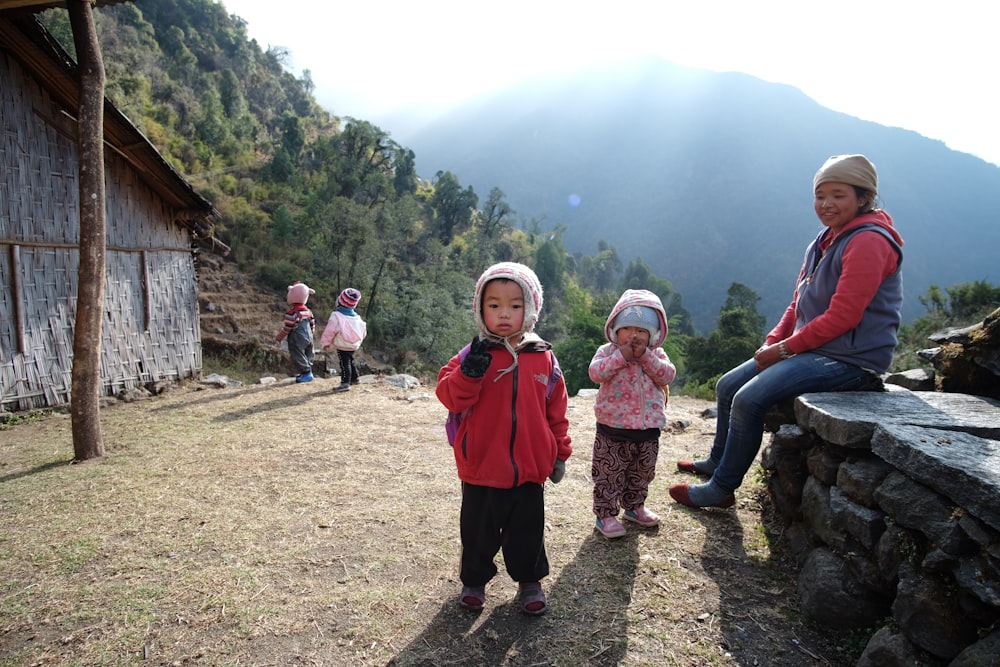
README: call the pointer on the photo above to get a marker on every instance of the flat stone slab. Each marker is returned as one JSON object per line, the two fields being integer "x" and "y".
{"x": 849, "y": 418}
{"x": 962, "y": 467}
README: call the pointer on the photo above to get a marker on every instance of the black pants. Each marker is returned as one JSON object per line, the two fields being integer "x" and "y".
{"x": 511, "y": 520}
{"x": 348, "y": 371}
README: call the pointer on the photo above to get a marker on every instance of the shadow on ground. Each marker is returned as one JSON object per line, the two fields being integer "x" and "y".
{"x": 587, "y": 621}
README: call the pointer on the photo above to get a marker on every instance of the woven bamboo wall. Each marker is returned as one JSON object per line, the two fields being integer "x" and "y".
{"x": 151, "y": 328}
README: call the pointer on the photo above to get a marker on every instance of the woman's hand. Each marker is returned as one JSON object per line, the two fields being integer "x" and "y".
{"x": 768, "y": 355}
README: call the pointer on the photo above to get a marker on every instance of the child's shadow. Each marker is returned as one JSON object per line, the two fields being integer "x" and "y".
{"x": 587, "y": 620}
{"x": 592, "y": 596}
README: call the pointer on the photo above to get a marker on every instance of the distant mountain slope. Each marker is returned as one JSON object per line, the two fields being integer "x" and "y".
{"x": 708, "y": 177}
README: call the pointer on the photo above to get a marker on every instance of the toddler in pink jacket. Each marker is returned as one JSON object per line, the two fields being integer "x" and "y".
{"x": 345, "y": 331}
{"x": 633, "y": 372}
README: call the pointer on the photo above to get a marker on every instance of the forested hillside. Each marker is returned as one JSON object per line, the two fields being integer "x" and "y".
{"x": 337, "y": 202}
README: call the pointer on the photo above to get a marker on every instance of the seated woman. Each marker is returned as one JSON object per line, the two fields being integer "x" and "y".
{"x": 838, "y": 333}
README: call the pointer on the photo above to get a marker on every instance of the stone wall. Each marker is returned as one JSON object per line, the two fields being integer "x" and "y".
{"x": 891, "y": 504}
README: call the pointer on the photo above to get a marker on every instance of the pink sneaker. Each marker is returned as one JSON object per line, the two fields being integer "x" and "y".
{"x": 610, "y": 528}
{"x": 642, "y": 516}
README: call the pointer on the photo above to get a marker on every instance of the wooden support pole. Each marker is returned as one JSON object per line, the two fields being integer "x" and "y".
{"x": 15, "y": 293}
{"x": 147, "y": 302}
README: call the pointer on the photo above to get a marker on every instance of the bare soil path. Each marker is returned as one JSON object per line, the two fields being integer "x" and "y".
{"x": 286, "y": 525}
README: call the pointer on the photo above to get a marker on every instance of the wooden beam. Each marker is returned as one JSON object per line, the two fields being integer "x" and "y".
{"x": 31, "y": 4}
{"x": 42, "y": 5}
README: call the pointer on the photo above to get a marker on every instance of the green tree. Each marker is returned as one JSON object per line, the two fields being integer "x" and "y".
{"x": 405, "y": 177}
{"x": 281, "y": 168}
{"x": 934, "y": 301}
{"x": 601, "y": 273}
{"x": 212, "y": 127}
{"x": 738, "y": 335}
{"x": 585, "y": 333}
{"x": 638, "y": 275}
{"x": 397, "y": 228}
{"x": 741, "y": 317}
{"x": 550, "y": 265}
{"x": 485, "y": 241}
{"x": 972, "y": 300}
{"x": 292, "y": 137}
{"x": 966, "y": 304}
{"x": 453, "y": 206}
{"x": 282, "y": 225}
{"x": 359, "y": 164}
{"x": 231, "y": 95}
{"x": 494, "y": 217}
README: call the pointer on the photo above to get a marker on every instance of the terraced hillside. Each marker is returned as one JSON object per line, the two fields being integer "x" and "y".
{"x": 232, "y": 306}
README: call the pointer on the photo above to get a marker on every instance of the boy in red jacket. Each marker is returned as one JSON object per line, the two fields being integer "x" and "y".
{"x": 513, "y": 435}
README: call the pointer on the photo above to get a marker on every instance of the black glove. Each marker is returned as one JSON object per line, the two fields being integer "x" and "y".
{"x": 477, "y": 360}
{"x": 558, "y": 471}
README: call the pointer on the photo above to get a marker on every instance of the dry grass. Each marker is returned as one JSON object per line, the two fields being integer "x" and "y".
{"x": 284, "y": 525}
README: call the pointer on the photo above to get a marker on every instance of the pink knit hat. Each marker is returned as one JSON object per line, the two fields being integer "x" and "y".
{"x": 298, "y": 292}
{"x": 349, "y": 298}
{"x": 530, "y": 287}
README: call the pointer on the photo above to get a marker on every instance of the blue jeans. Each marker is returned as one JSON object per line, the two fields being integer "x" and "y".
{"x": 745, "y": 394}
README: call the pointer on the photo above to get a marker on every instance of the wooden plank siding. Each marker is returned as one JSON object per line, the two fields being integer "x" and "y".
{"x": 151, "y": 329}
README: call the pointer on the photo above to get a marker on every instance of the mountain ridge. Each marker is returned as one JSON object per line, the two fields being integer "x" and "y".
{"x": 707, "y": 177}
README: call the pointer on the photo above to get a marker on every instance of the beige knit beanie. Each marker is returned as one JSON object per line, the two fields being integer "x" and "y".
{"x": 530, "y": 287}
{"x": 854, "y": 170}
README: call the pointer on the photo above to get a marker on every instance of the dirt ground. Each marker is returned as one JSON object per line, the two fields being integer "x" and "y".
{"x": 287, "y": 525}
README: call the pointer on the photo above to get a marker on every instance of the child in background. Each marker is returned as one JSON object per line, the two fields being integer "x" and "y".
{"x": 633, "y": 371}
{"x": 345, "y": 331}
{"x": 298, "y": 327}
{"x": 504, "y": 457}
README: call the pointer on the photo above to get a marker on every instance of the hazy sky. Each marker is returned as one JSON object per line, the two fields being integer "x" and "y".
{"x": 924, "y": 66}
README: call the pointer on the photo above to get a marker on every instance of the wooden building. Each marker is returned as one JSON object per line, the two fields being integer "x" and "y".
{"x": 155, "y": 224}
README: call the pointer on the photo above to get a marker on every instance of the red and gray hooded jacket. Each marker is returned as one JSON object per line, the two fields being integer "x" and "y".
{"x": 514, "y": 426}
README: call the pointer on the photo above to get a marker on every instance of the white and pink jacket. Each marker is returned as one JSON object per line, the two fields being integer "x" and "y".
{"x": 344, "y": 330}
{"x": 633, "y": 394}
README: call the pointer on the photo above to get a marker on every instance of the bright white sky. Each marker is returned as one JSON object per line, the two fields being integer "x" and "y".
{"x": 923, "y": 65}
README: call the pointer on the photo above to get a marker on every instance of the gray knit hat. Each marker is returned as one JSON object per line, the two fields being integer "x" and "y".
{"x": 641, "y": 317}
{"x": 854, "y": 170}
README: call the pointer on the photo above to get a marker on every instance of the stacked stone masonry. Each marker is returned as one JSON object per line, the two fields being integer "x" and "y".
{"x": 891, "y": 504}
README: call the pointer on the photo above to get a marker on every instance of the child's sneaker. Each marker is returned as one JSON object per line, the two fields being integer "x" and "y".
{"x": 610, "y": 528}
{"x": 343, "y": 387}
{"x": 642, "y": 516}
{"x": 305, "y": 377}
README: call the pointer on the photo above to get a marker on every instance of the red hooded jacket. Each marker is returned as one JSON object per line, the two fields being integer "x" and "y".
{"x": 512, "y": 433}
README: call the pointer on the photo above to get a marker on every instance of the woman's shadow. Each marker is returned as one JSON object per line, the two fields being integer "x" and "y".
{"x": 753, "y": 593}
{"x": 586, "y": 623}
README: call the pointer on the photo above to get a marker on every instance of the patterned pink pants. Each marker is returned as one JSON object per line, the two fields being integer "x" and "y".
{"x": 622, "y": 471}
